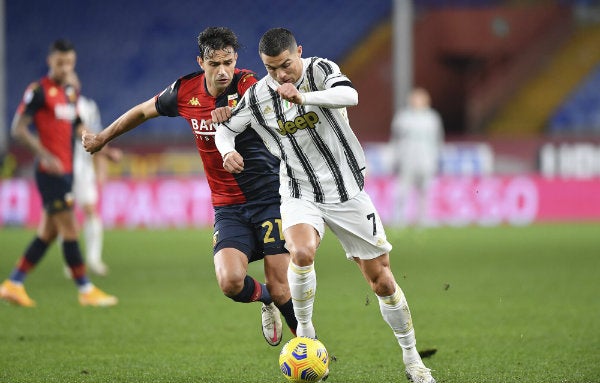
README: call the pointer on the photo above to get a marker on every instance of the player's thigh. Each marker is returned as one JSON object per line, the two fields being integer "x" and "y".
{"x": 296, "y": 211}
{"x": 55, "y": 191}
{"x": 267, "y": 225}
{"x": 275, "y": 268}
{"x": 358, "y": 226}
{"x": 233, "y": 231}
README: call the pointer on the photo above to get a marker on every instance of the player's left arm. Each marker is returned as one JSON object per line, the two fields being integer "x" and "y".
{"x": 335, "y": 90}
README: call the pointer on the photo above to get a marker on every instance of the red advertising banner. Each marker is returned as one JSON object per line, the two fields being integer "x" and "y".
{"x": 454, "y": 201}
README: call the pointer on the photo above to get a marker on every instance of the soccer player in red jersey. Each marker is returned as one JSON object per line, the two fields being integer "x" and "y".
{"x": 247, "y": 218}
{"x": 50, "y": 105}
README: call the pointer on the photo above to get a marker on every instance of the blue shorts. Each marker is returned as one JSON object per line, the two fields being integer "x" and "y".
{"x": 55, "y": 190}
{"x": 252, "y": 228}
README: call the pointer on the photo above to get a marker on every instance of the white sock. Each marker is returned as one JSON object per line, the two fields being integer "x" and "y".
{"x": 396, "y": 313}
{"x": 303, "y": 286}
{"x": 84, "y": 289}
{"x": 93, "y": 233}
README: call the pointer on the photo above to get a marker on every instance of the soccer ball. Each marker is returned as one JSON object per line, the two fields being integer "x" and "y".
{"x": 304, "y": 360}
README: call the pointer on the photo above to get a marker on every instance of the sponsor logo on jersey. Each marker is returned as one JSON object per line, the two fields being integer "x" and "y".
{"x": 194, "y": 101}
{"x": 307, "y": 120}
{"x": 67, "y": 112}
{"x": 201, "y": 128}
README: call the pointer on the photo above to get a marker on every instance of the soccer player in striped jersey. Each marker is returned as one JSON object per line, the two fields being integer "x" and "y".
{"x": 247, "y": 217}
{"x": 299, "y": 110}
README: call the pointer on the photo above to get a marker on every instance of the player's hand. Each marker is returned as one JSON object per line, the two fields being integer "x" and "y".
{"x": 289, "y": 92}
{"x": 90, "y": 141}
{"x": 51, "y": 164}
{"x": 221, "y": 114}
{"x": 233, "y": 162}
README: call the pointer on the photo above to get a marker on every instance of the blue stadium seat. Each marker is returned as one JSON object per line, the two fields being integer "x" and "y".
{"x": 129, "y": 51}
{"x": 580, "y": 113}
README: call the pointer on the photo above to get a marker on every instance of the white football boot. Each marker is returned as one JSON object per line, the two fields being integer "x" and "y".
{"x": 418, "y": 373}
{"x": 271, "y": 324}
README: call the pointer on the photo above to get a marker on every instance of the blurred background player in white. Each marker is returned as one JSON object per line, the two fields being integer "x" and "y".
{"x": 89, "y": 175}
{"x": 417, "y": 141}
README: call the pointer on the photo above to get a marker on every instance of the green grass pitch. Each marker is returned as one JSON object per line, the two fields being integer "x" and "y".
{"x": 501, "y": 304}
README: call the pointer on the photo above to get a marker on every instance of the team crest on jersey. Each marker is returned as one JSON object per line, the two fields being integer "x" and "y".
{"x": 267, "y": 110}
{"x": 52, "y": 92}
{"x": 71, "y": 93}
{"x": 232, "y": 100}
{"x": 194, "y": 101}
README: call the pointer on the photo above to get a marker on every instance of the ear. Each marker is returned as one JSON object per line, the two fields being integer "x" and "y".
{"x": 299, "y": 50}
{"x": 200, "y": 61}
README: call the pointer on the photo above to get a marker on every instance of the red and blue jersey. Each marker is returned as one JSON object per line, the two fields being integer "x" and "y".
{"x": 189, "y": 98}
{"x": 54, "y": 112}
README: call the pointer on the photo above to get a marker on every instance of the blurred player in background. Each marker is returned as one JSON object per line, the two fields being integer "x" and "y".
{"x": 247, "y": 218}
{"x": 299, "y": 110}
{"x": 50, "y": 105}
{"x": 89, "y": 174}
{"x": 417, "y": 139}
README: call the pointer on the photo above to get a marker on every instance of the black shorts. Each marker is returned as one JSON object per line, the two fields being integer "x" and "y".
{"x": 253, "y": 228}
{"x": 55, "y": 190}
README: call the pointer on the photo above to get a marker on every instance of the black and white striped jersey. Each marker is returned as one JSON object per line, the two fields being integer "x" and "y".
{"x": 321, "y": 158}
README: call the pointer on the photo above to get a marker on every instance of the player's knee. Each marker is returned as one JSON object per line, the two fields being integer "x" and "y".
{"x": 303, "y": 255}
{"x": 384, "y": 287}
{"x": 230, "y": 283}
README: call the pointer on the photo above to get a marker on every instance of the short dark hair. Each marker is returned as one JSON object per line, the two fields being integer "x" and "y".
{"x": 275, "y": 41}
{"x": 216, "y": 38}
{"x": 61, "y": 45}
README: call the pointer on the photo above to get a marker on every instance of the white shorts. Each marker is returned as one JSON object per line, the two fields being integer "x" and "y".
{"x": 355, "y": 222}
{"x": 85, "y": 188}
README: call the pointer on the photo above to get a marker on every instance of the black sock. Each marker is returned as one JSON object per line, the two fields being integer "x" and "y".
{"x": 253, "y": 291}
{"x": 73, "y": 257}
{"x": 287, "y": 310}
{"x": 33, "y": 254}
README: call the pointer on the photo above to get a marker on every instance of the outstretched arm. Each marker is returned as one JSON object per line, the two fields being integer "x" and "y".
{"x": 128, "y": 120}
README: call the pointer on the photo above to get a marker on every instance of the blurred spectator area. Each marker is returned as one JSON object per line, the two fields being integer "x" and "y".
{"x": 497, "y": 70}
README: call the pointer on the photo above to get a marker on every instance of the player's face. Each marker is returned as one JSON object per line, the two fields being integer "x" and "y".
{"x": 61, "y": 65}
{"x": 285, "y": 67}
{"x": 219, "y": 67}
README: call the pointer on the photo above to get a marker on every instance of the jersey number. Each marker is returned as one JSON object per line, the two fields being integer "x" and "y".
{"x": 269, "y": 232}
{"x": 372, "y": 216}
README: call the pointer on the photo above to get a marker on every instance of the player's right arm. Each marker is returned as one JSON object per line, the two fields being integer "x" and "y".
{"x": 32, "y": 101}
{"x": 128, "y": 121}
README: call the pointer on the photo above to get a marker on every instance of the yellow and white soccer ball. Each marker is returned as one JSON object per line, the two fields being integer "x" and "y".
{"x": 304, "y": 360}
